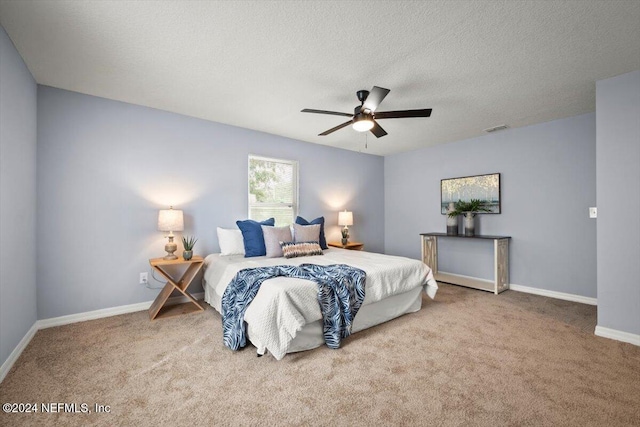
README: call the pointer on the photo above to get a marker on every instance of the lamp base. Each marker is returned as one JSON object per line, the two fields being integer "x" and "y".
{"x": 170, "y": 248}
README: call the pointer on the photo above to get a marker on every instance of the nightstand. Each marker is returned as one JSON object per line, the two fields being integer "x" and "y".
{"x": 354, "y": 246}
{"x": 158, "y": 309}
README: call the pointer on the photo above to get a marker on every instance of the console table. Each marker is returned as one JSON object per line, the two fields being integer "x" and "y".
{"x": 500, "y": 262}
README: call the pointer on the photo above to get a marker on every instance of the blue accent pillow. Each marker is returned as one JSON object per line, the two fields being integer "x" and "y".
{"x": 323, "y": 240}
{"x": 253, "y": 237}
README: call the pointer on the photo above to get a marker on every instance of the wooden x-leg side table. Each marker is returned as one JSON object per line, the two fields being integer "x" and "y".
{"x": 158, "y": 309}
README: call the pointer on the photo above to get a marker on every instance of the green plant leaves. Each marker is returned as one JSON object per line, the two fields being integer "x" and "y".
{"x": 189, "y": 242}
{"x": 473, "y": 205}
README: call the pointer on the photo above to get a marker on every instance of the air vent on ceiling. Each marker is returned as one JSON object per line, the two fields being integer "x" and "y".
{"x": 497, "y": 128}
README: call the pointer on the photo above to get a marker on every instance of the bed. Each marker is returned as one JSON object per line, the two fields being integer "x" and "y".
{"x": 285, "y": 317}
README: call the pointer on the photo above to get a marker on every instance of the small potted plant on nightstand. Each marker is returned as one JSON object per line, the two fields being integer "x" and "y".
{"x": 469, "y": 209}
{"x": 188, "y": 243}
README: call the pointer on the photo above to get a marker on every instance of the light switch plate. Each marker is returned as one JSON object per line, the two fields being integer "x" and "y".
{"x": 593, "y": 212}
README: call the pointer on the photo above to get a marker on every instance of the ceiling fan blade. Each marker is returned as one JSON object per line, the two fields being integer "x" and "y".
{"x": 333, "y": 113}
{"x": 327, "y": 132}
{"x": 375, "y": 97}
{"x": 403, "y": 114}
{"x": 377, "y": 130}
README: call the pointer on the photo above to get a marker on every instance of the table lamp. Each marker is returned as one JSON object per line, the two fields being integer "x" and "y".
{"x": 345, "y": 218}
{"x": 170, "y": 220}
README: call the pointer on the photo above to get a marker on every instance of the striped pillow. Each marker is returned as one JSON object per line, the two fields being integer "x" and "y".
{"x": 293, "y": 250}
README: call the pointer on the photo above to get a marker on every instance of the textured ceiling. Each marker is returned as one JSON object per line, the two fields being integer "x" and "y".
{"x": 257, "y": 64}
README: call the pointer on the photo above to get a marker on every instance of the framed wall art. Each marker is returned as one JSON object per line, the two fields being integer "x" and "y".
{"x": 483, "y": 187}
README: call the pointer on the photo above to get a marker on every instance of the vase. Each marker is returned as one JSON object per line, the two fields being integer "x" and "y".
{"x": 187, "y": 255}
{"x": 469, "y": 224}
{"x": 452, "y": 221}
{"x": 344, "y": 241}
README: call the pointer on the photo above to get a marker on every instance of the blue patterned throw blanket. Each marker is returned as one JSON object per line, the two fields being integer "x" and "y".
{"x": 340, "y": 294}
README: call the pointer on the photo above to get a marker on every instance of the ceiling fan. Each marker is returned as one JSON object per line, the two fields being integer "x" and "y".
{"x": 364, "y": 115}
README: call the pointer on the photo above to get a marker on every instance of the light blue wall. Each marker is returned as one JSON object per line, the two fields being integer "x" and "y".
{"x": 106, "y": 167}
{"x": 548, "y": 183}
{"x": 17, "y": 198}
{"x": 618, "y": 188}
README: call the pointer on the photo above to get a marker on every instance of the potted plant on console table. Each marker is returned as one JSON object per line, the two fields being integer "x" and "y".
{"x": 469, "y": 209}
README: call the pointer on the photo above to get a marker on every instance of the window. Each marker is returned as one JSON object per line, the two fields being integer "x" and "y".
{"x": 273, "y": 189}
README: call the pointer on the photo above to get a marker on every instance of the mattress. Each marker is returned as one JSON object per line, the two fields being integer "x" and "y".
{"x": 286, "y": 307}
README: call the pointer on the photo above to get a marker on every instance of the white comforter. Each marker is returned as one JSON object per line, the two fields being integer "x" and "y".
{"x": 284, "y": 305}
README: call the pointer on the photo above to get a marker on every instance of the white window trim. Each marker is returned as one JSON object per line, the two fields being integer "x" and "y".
{"x": 296, "y": 185}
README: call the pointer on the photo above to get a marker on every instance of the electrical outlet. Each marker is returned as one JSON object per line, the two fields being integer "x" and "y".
{"x": 144, "y": 278}
{"x": 593, "y": 212}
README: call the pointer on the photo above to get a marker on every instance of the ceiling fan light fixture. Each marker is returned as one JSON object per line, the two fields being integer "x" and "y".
{"x": 362, "y": 123}
{"x": 362, "y": 119}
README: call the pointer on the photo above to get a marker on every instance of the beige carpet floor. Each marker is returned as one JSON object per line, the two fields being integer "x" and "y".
{"x": 467, "y": 358}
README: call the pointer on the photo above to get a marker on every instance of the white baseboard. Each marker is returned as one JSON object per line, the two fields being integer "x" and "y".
{"x": 618, "y": 335}
{"x": 536, "y": 291}
{"x": 8, "y": 364}
{"x": 108, "y": 312}
{"x": 80, "y": 317}
{"x": 554, "y": 294}
{"x": 91, "y": 315}
{"x": 488, "y": 281}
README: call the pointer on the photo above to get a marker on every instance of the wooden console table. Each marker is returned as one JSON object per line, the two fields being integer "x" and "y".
{"x": 500, "y": 262}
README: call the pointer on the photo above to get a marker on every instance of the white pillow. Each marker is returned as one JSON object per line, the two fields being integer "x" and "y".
{"x": 230, "y": 241}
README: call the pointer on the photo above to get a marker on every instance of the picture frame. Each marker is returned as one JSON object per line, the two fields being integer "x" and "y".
{"x": 484, "y": 187}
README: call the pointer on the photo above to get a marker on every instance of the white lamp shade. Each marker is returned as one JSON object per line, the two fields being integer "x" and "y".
{"x": 170, "y": 220}
{"x": 345, "y": 218}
